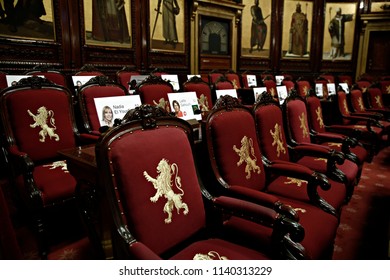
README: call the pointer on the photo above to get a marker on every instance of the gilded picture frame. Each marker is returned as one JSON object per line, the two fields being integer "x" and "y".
{"x": 27, "y": 20}
{"x": 256, "y": 28}
{"x": 338, "y": 44}
{"x": 297, "y": 29}
{"x": 108, "y": 23}
{"x": 167, "y": 25}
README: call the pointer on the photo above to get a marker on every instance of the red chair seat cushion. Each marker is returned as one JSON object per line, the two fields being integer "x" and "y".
{"x": 218, "y": 248}
{"x": 320, "y": 227}
{"x": 287, "y": 187}
{"x": 45, "y": 178}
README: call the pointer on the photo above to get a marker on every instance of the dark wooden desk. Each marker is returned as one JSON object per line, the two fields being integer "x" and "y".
{"x": 81, "y": 163}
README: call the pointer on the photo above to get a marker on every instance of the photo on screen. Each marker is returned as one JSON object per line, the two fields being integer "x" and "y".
{"x": 115, "y": 107}
{"x": 185, "y": 105}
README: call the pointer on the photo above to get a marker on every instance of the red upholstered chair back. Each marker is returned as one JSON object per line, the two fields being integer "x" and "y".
{"x": 38, "y": 118}
{"x": 234, "y": 78}
{"x": 328, "y": 77}
{"x": 314, "y": 114}
{"x": 88, "y": 70}
{"x": 385, "y": 86}
{"x": 213, "y": 76}
{"x": 143, "y": 165}
{"x": 203, "y": 92}
{"x": 54, "y": 76}
{"x": 154, "y": 91}
{"x": 223, "y": 83}
{"x": 303, "y": 87}
{"x": 342, "y": 103}
{"x": 357, "y": 101}
{"x": 270, "y": 128}
{"x": 346, "y": 79}
{"x": 296, "y": 119}
{"x": 375, "y": 99}
{"x": 363, "y": 85}
{"x": 123, "y": 77}
{"x": 271, "y": 87}
{"x": 231, "y": 136}
{"x": 99, "y": 86}
{"x": 290, "y": 85}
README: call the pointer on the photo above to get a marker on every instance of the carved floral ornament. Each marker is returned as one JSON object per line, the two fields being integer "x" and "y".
{"x": 246, "y": 152}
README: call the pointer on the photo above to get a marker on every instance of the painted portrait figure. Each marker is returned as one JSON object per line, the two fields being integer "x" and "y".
{"x": 109, "y": 21}
{"x": 298, "y": 32}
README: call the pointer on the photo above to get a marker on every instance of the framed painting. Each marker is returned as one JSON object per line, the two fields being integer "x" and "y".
{"x": 337, "y": 43}
{"x": 297, "y": 27}
{"x": 256, "y": 27}
{"x": 167, "y": 25}
{"x": 27, "y": 20}
{"x": 108, "y": 23}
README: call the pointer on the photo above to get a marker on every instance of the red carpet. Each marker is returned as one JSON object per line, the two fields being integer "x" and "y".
{"x": 363, "y": 233}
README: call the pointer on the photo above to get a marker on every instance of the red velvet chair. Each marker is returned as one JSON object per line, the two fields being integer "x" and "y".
{"x": 272, "y": 140}
{"x": 123, "y": 76}
{"x": 237, "y": 166}
{"x": 158, "y": 207}
{"x": 271, "y": 87}
{"x": 303, "y": 87}
{"x": 360, "y": 108}
{"x": 298, "y": 134}
{"x": 53, "y": 75}
{"x": 332, "y": 136}
{"x": 289, "y": 83}
{"x": 213, "y": 76}
{"x": 371, "y": 131}
{"x": 203, "y": 92}
{"x": 154, "y": 91}
{"x": 223, "y": 83}
{"x": 375, "y": 101}
{"x": 38, "y": 121}
{"x": 100, "y": 86}
{"x": 328, "y": 77}
{"x": 345, "y": 79}
{"x": 234, "y": 78}
{"x": 363, "y": 85}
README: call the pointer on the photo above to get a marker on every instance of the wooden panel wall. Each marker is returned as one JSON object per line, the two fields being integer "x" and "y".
{"x": 69, "y": 51}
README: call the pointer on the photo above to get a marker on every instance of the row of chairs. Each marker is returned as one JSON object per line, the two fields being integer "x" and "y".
{"x": 250, "y": 169}
{"x": 26, "y": 149}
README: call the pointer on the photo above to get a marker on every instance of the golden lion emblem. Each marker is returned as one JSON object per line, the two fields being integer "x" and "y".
{"x": 277, "y": 136}
{"x": 162, "y": 183}
{"x": 163, "y": 104}
{"x": 245, "y": 153}
{"x": 42, "y": 119}
{"x": 204, "y": 104}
